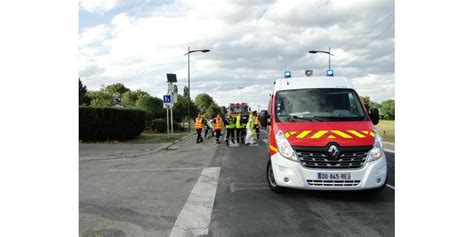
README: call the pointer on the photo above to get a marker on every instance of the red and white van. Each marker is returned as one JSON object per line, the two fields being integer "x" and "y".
{"x": 320, "y": 136}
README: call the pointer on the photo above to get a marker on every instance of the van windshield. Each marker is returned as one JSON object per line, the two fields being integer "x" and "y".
{"x": 318, "y": 105}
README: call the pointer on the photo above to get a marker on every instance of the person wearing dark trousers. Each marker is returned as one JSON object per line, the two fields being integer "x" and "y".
{"x": 206, "y": 127}
{"x": 229, "y": 123}
{"x": 244, "y": 119}
{"x": 218, "y": 124}
{"x": 198, "y": 125}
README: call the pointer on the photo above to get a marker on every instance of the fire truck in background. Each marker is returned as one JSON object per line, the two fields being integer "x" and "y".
{"x": 237, "y": 108}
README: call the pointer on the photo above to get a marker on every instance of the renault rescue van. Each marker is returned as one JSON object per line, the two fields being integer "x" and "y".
{"x": 321, "y": 137}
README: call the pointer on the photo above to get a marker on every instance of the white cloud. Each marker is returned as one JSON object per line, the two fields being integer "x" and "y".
{"x": 250, "y": 45}
{"x": 101, "y": 6}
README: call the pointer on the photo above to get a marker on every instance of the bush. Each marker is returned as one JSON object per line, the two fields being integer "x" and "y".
{"x": 159, "y": 125}
{"x": 106, "y": 123}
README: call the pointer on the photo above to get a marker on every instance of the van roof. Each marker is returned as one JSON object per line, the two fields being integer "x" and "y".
{"x": 311, "y": 82}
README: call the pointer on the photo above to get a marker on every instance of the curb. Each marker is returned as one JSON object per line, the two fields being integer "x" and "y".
{"x": 142, "y": 154}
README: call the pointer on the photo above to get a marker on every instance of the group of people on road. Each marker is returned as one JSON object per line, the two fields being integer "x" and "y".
{"x": 240, "y": 128}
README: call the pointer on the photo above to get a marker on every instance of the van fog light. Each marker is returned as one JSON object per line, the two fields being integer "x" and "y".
{"x": 286, "y": 180}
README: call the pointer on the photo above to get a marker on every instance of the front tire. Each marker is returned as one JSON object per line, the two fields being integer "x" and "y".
{"x": 271, "y": 179}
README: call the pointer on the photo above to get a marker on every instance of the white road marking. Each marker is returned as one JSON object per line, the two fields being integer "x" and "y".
{"x": 195, "y": 216}
{"x": 157, "y": 169}
{"x": 390, "y": 186}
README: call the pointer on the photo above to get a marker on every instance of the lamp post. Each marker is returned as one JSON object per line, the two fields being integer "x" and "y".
{"x": 326, "y": 52}
{"x": 241, "y": 87}
{"x": 189, "y": 85}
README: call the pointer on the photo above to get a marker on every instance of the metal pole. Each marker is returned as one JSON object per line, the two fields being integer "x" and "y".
{"x": 171, "y": 118}
{"x": 329, "y": 55}
{"x": 189, "y": 97}
{"x": 167, "y": 122}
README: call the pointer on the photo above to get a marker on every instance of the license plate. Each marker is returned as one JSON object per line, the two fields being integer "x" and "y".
{"x": 334, "y": 176}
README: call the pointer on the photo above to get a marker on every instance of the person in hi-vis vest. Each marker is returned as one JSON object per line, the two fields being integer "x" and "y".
{"x": 198, "y": 125}
{"x": 218, "y": 124}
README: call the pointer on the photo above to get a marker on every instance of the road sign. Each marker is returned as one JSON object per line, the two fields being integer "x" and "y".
{"x": 167, "y": 99}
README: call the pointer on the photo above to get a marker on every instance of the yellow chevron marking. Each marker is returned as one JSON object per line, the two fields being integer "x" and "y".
{"x": 303, "y": 134}
{"x": 366, "y": 132}
{"x": 331, "y": 136}
{"x": 288, "y": 134}
{"x": 273, "y": 148}
{"x": 372, "y": 134}
{"x": 342, "y": 134}
{"x": 319, "y": 134}
{"x": 356, "y": 133}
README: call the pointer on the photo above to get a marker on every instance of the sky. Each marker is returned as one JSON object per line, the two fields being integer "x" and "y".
{"x": 251, "y": 43}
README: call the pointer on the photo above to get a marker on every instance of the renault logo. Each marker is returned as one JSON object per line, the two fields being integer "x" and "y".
{"x": 333, "y": 151}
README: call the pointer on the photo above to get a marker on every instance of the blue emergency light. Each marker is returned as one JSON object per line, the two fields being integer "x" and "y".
{"x": 330, "y": 73}
{"x": 287, "y": 74}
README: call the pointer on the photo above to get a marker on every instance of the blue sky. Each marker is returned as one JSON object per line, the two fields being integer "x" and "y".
{"x": 252, "y": 42}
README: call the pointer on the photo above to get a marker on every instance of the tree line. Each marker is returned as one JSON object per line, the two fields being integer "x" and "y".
{"x": 386, "y": 108}
{"x": 118, "y": 95}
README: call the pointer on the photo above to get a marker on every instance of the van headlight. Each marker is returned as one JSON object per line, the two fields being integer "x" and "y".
{"x": 284, "y": 146}
{"x": 377, "y": 150}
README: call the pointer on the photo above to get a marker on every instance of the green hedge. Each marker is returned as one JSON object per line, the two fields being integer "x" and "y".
{"x": 106, "y": 123}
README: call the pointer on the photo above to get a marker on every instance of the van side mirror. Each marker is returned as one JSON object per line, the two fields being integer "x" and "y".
{"x": 374, "y": 116}
{"x": 263, "y": 118}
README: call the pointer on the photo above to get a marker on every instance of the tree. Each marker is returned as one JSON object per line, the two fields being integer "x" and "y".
{"x": 211, "y": 111}
{"x": 83, "y": 99}
{"x": 368, "y": 103}
{"x": 204, "y": 101}
{"x": 130, "y": 97}
{"x": 116, "y": 90}
{"x": 180, "y": 109}
{"x": 185, "y": 91}
{"x": 387, "y": 109}
{"x": 99, "y": 98}
{"x": 151, "y": 105}
{"x": 222, "y": 110}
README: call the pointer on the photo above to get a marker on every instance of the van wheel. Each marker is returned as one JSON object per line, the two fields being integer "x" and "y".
{"x": 271, "y": 179}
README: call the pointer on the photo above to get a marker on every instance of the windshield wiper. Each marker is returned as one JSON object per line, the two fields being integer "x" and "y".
{"x": 307, "y": 119}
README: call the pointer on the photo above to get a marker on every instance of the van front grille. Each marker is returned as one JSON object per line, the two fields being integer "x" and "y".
{"x": 334, "y": 183}
{"x": 318, "y": 157}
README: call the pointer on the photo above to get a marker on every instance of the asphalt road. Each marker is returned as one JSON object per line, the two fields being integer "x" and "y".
{"x": 172, "y": 192}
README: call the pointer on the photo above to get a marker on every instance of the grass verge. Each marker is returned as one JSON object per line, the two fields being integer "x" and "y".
{"x": 151, "y": 137}
{"x": 386, "y": 129}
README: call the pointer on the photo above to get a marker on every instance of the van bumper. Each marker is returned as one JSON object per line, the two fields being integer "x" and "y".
{"x": 292, "y": 174}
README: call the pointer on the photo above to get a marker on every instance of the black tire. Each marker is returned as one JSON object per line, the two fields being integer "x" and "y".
{"x": 271, "y": 179}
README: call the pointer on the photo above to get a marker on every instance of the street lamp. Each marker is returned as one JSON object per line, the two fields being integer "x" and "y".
{"x": 189, "y": 86}
{"x": 329, "y": 72}
{"x": 241, "y": 87}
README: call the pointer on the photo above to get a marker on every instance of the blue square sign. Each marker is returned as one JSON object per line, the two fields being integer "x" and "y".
{"x": 167, "y": 99}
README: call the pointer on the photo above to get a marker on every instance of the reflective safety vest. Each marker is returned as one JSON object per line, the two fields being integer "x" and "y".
{"x": 218, "y": 124}
{"x": 230, "y": 122}
{"x": 250, "y": 122}
{"x": 256, "y": 122}
{"x": 237, "y": 122}
{"x": 198, "y": 123}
